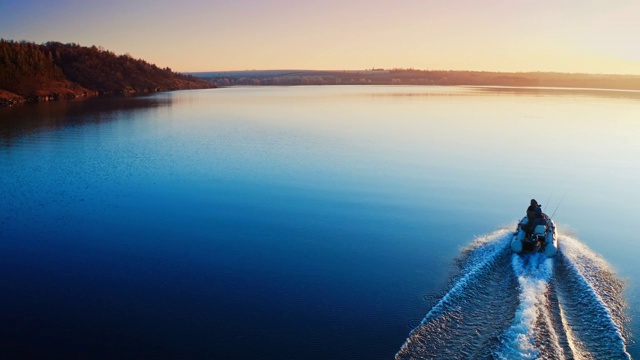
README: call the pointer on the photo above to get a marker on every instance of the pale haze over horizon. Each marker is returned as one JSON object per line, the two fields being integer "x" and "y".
{"x": 192, "y": 35}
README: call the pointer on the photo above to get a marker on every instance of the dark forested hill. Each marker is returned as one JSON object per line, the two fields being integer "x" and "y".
{"x": 51, "y": 71}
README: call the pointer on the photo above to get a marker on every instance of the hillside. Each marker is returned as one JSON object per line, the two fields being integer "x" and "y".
{"x": 53, "y": 71}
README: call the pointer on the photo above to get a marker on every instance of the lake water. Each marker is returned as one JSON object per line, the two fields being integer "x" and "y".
{"x": 310, "y": 222}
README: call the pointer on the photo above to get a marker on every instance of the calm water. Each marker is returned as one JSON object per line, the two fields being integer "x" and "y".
{"x": 290, "y": 222}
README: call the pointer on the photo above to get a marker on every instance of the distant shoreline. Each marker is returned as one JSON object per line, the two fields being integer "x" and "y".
{"x": 8, "y": 99}
{"x": 422, "y": 77}
{"x": 31, "y": 73}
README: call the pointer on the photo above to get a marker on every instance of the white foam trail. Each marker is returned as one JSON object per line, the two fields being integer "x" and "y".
{"x": 587, "y": 264}
{"x": 576, "y": 347}
{"x": 533, "y": 277}
{"x": 485, "y": 251}
{"x": 570, "y": 306}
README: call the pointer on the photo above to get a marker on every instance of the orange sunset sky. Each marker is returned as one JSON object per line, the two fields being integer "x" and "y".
{"x": 191, "y": 35}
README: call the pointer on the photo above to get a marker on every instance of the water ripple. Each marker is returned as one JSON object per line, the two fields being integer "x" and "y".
{"x": 508, "y": 306}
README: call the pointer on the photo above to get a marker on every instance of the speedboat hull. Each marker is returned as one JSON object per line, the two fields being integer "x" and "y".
{"x": 545, "y": 241}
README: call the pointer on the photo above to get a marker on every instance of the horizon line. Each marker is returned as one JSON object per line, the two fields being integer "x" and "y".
{"x": 411, "y": 69}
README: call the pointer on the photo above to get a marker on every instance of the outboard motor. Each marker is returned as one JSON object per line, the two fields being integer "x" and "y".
{"x": 539, "y": 233}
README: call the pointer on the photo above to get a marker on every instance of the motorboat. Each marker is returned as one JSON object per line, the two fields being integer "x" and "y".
{"x": 542, "y": 238}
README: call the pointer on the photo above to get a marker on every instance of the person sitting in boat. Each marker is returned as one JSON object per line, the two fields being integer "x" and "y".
{"x": 534, "y": 217}
{"x": 531, "y": 210}
{"x": 538, "y": 219}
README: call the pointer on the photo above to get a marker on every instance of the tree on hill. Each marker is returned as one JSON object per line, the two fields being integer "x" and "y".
{"x": 24, "y": 67}
{"x": 31, "y": 70}
{"x": 104, "y": 71}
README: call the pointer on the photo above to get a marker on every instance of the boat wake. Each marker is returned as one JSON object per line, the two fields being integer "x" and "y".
{"x": 507, "y": 306}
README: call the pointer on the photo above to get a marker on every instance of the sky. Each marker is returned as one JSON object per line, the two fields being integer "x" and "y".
{"x": 577, "y": 36}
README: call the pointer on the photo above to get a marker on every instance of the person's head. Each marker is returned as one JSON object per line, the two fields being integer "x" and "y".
{"x": 534, "y": 202}
{"x": 538, "y": 211}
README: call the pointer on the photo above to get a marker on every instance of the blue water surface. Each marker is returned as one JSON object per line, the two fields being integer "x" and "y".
{"x": 285, "y": 222}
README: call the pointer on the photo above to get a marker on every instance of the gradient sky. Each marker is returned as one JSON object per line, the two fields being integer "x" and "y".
{"x": 197, "y": 35}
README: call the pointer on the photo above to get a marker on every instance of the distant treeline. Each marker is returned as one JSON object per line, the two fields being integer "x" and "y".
{"x": 423, "y": 77}
{"x": 52, "y": 71}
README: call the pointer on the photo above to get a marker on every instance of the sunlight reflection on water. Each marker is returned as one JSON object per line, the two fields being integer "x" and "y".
{"x": 339, "y": 207}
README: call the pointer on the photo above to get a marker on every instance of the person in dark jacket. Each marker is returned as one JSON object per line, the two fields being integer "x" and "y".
{"x": 531, "y": 210}
{"x": 534, "y": 217}
{"x": 538, "y": 219}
